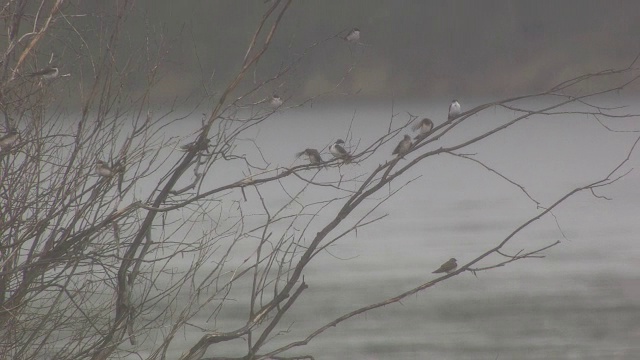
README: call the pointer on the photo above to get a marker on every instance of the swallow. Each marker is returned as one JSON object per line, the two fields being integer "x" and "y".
{"x": 9, "y": 138}
{"x": 313, "y": 155}
{"x": 276, "y": 101}
{"x": 339, "y": 152}
{"x": 448, "y": 267}
{"x": 48, "y": 73}
{"x": 353, "y": 36}
{"x": 404, "y": 146}
{"x": 194, "y": 145}
{"x": 424, "y": 126}
{"x": 103, "y": 169}
{"x": 454, "y": 110}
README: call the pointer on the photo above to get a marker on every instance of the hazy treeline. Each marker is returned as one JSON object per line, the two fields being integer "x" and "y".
{"x": 408, "y": 48}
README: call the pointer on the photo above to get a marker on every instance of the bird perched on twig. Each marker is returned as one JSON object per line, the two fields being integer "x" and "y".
{"x": 313, "y": 155}
{"x": 448, "y": 267}
{"x": 339, "y": 152}
{"x": 454, "y": 110}
{"x": 276, "y": 101}
{"x": 9, "y": 138}
{"x": 424, "y": 126}
{"x": 103, "y": 169}
{"x": 195, "y": 145}
{"x": 48, "y": 73}
{"x": 353, "y": 36}
{"x": 404, "y": 146}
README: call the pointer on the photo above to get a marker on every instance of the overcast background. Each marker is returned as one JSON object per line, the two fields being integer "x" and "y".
{"x": 579, "y": 302}
{"x": 409, "y": 49}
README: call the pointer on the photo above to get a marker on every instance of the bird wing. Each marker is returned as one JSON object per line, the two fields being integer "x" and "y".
{"x": 314, "y": 154}
{"x": 398, "y": 148}
{"x": 340, "y": 149}
{"x": 445, "y": 267}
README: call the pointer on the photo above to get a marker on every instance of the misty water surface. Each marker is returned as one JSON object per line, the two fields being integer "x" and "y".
{"x": 579, "y": 302}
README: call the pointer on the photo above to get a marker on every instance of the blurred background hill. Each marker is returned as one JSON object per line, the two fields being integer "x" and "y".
{"x": 409, "y": 49}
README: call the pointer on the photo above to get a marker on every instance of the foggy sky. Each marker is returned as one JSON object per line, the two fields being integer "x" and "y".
{"x": 411, "y": 49}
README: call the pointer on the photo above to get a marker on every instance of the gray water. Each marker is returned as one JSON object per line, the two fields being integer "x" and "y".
{"x": 581, "y": 301}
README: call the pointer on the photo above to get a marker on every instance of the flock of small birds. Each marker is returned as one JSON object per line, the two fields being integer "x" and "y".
{"x": 423, "y": 127}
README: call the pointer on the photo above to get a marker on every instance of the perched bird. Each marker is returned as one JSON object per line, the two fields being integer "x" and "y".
{"x": 276, "y": 101}
{"x": 339, "y": 152}
{"x": 448, "y": 267}
{"x": 424, "y": 126}
{"x": 103, "y": 169}
{"x": 312, "y": 154}
{"x": 454, "y": 110}
{"x": 9, "y": 138}
{"x": 403, "y": 146}
{"x": 195, "y": 145}
{"x": 48, "y": 73}
{"x": 353, "y": 36}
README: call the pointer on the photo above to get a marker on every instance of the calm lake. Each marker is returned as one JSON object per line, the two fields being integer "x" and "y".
{"x": 581, "y": 301}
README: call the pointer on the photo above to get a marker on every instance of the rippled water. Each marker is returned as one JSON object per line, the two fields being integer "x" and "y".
{"x": 582, "y": 301}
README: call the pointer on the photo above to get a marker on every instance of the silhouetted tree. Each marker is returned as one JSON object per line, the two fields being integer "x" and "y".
{"x": 116, "y": 235}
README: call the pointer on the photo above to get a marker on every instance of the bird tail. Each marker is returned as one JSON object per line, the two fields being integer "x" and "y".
{"x": 416, "y": 126}
{"x": 298, "y": 154}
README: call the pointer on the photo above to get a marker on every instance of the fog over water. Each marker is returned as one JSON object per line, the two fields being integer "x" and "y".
{"x": 578, "y": 302}
{"x": 169, "y": 64}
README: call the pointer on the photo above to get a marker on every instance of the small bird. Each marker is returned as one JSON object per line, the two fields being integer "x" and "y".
{"x": 48, "y": 73}
{"x": 404, "y": 146}
{"x": 103, "y": 169}
{"x": 194, "y": 145}
{"x": 339, "y": 152}
{"x": 9, "y": 138}
{"x": 313, "y": 155}
{"x": 425, "y": 126}
{"x": 448, "y": 267}
{"x": 454, "y": 110}
{"x": 353, "y": 36}
{"x": 276, "y": 101}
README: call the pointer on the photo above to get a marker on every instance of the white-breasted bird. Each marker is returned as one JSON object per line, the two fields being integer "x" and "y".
{"x": 403, "y": 146}
{"x": 339, "y": 152}
{"x": 9, "y": 138}
{"x": 48, "y": 73}
{"x": 276, "y": 101}
{"x": 448, "y": 267}
{"x": 454, "y": 110}
{"x": 103, "y": 169}
{"x": 424, "y": 126}
{"x": 312, "y": 154}
{"x": 353, "y": 36}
